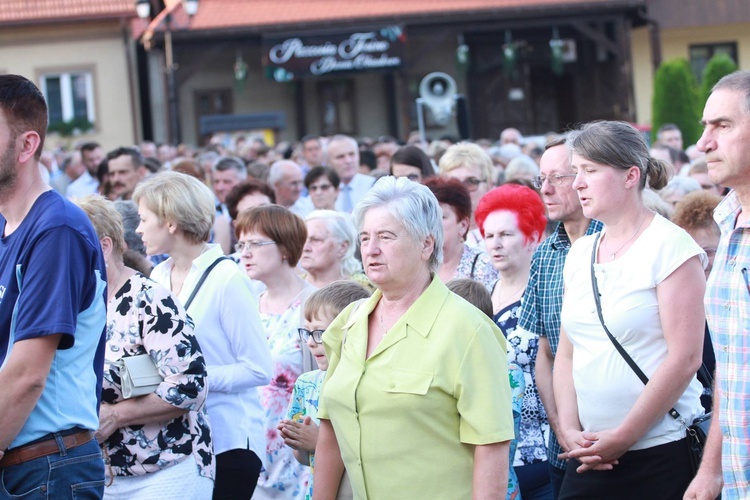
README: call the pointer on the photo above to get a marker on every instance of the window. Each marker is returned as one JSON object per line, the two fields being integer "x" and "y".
{"x": 70, "y": 98}
{"x": 701, "y": 54}
{"x": 336, "y": 101}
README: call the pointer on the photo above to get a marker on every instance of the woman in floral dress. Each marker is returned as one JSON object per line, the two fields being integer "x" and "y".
{"x": 511, "y": 218}
{"x": 157, "y": 445}
{"x": 270, "y": 241}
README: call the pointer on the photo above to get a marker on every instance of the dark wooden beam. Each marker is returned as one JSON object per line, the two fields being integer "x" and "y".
{"x": 598, "y": 37}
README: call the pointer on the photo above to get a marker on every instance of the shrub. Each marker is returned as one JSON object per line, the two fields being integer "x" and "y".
{"x": 676, "y": 100}
{"x": 717, "y": 67}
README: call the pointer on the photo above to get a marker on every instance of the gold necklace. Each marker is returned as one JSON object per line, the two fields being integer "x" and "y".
{"x": 382, "y": 323}
{"x": 612, "y": 255}
{"x": 510, "y": 297}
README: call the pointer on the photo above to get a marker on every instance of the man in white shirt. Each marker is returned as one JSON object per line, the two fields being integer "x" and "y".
{"x": 91, "y": 154}
{"x": 343, "y": 156}
{"x": 312, "y": 152}
{"x": 226, "y": 172}
{"x": 285, "y": 178}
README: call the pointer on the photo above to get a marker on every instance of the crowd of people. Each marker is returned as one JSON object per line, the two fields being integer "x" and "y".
{"x": 343, "y": 318}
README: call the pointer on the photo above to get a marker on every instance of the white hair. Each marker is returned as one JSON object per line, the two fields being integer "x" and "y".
{"x": 278, "y": 169}
{"x": 519, "y": 166}
{"x": 413, "y": 205}
{"x": 680, "y": 185}
{"x": 342, "y": 229}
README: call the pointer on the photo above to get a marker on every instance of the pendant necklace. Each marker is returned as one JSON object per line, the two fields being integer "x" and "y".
{"x": 612, "y": 255}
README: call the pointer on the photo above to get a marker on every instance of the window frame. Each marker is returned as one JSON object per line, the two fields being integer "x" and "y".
{"x": 66, "y": 91}
{"x": 712, "y": 49}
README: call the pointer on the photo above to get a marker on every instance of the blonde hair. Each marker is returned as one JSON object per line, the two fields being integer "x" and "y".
{"x": 333, "y": 298}
{"x": 466, "y": 154}
{"x": 180, "y": 199}
{"x": 105, "y": 218}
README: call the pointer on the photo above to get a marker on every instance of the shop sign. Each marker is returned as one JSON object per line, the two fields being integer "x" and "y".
{"x": 295, "y": 57}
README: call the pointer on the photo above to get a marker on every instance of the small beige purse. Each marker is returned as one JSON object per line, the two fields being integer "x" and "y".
{"x": 138, "y": 376}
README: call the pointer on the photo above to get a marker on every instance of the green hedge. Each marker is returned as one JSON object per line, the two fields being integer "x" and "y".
{"x": 717, "y": 67}
{"x": 676, "y": 100}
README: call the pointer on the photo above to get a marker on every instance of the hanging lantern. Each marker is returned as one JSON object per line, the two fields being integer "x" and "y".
{"x": 509, "y": 56}
{"x": 240, "y": 68}
{"x": 556, "y": 52}
{"x": 462, "y": 57}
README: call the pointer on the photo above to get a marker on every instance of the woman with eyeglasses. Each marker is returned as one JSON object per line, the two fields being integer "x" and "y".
{"x": 413, "y": 163}
{"x": 270, "y": 241}
{"x": 322, "y": 184}
{"x": 459, "y": 259}
{"x": 177, "y": 212}
{"x": 471, "y": 165}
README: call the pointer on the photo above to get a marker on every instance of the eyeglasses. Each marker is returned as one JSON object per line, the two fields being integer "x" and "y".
{"x": 320, "y": 187}
{"x": 411, "y": 177}
{"x": 472, "y": 183}
{"x": 252, "y": 245}
{"x": 554, "y": 180}
{"x": 304, "y": 334}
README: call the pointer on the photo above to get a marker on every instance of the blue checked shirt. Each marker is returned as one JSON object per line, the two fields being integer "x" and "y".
{"x": 540, "y": 312}
{"x": 728, "y": 314}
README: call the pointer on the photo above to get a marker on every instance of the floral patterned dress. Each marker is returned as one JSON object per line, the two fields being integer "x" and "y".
{"x": 282, "y": 476}
{"x": 475, "y": 264}
{"x": 522, "y": 350}
{"x": 144, "y": 318}
{"x": 517, "y": 388}
{"x": 305, "y": 403}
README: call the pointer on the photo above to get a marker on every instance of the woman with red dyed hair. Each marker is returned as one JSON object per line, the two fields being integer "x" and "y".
{"x": 511, "y": 219}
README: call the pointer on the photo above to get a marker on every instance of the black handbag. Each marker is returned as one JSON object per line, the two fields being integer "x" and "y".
{"x": 698, "y": 430}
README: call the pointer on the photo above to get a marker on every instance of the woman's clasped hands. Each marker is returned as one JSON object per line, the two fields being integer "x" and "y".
{"x": 594, "y": 450}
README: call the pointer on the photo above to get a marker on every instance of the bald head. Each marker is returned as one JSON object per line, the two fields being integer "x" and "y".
{"x": 343, "y": 157}
{"x": 285, "y": 178}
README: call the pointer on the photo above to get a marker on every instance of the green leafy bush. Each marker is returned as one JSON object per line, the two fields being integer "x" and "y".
{"x": 717, "y": 67}
{"x": 676, "y": 100}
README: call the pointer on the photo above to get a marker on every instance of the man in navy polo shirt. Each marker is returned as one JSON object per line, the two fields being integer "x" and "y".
{"x": 52, "y": 318}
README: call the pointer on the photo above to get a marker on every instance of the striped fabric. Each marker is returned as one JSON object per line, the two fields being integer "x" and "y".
{"x": 540, "y": 313}
{"x": 728, "y": 313}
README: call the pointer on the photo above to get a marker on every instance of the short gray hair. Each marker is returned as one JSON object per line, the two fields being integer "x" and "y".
{"x": 276, "y": 173}
{"x": 681, "y": 185}
{"x": 230, "y": 162}
{"x": 413, "y": 205}
{"x": 519, "y": 166}
{"x": 340, "y": 138}
{"x": 341, "y": 228}
{"x": 739, "y": 81}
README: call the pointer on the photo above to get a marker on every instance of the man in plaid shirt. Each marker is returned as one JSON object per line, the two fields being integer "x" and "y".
{"x": 726, "y": 142}
{"x": 540, "y": 312}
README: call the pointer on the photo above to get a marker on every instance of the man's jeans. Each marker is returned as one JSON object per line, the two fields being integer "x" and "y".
{"x": 70, "y": 474}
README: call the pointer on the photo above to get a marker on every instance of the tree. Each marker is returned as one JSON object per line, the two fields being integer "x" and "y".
{"x": 676, "y": 100}
{"x": 717, "y": 67}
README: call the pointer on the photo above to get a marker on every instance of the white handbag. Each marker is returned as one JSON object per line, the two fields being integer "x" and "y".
{"x": 138, "y": 376}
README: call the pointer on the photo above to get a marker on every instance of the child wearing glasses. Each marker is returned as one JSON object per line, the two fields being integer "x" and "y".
{"x": 300, "y": 428}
